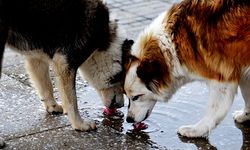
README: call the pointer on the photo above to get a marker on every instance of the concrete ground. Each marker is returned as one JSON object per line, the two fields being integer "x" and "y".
{"x": 24, "y": 124}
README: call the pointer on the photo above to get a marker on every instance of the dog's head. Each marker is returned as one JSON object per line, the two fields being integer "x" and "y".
{"x": 112, "y": 96}
{"x": 148, "y": 78}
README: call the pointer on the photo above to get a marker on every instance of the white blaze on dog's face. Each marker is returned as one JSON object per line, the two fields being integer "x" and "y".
{"x": 147, "y": 78}
{"x": 141, "y": 100}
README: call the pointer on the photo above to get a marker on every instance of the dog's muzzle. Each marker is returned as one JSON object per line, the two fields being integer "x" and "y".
{"x": 147, "y": 114}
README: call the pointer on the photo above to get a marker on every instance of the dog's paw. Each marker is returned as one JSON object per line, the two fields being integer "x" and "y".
{"x": 2, "y": 144}
{"x": 192, "y": 131}
{"x": 241, "y": 116}
{"x": 84, "y": 125}
{"x": 54, "y": 109}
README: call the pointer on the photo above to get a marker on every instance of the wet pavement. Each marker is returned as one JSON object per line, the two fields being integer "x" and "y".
{"x": 24, "y": 124}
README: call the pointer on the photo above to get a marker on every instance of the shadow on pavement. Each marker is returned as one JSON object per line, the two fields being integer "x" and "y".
{"x": 200, "y": 143}
{"x": 245, "y": 129}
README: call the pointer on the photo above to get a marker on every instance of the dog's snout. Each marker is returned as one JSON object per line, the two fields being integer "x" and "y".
{"x": 130, "y": 119}
{"x": 147, "y": 114}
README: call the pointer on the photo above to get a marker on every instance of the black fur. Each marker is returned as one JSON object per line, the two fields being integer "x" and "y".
{"x": 126, "y": 47}
{"x": 74, "y": 28}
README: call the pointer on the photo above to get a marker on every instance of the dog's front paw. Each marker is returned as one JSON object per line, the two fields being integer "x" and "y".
{"x": 54, "y": 109}
{"x": 192, "y": 131}
{"x": 84, "y": 125}
{"x": 2, "y": 144}
{"x": 241, "y": 116}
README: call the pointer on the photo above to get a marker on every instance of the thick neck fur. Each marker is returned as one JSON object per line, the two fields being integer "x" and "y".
{"x": 103, "y": 65}
{"x": 178, "y": 73}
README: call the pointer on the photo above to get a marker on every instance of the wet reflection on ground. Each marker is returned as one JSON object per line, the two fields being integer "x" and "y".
{"x": 245, "y": 129}
{"x": 115, "y": 124}
{"x": 187, "y": 107}
{"x": 200, "y": 143}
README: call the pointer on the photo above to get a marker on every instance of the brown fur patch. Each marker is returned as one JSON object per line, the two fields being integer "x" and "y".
{"x": 152, "y": 69}
{"x": 212, "y": 37}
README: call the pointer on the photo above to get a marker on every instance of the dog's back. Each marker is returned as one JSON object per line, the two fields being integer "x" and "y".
{"x": 54, "y": 25}
{"x": 214, "y": 32}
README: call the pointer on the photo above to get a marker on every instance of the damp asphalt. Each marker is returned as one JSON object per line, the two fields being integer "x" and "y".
{"x": 25, "y": 125}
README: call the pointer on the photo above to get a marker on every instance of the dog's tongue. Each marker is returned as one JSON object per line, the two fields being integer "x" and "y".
{"x": 113, "y": 113}
{"x": 140, "y": 126}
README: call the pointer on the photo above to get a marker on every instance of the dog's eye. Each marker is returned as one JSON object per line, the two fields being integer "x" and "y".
{"x": 134, "y": 98}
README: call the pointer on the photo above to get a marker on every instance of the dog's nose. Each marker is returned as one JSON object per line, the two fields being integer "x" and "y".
{"x": 130, "y": 120}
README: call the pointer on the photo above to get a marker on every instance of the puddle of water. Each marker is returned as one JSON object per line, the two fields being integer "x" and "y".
{"x": 187, "y": 107}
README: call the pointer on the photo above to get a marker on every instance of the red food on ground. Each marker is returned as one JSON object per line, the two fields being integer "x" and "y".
{"x": 109, "y": 111}
{"x": 140, "y": 126}
{"x": 113, "y": 113}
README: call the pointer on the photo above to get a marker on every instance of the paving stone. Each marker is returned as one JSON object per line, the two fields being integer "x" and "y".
{"x": 65, "y": 138}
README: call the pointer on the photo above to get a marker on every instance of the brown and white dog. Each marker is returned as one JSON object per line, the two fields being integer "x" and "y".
{"x": 195, "y": 40}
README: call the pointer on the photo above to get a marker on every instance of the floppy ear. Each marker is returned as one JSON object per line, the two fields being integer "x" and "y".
{"x": 152, "y": 73}
{"x": 127, "y": 58}
{"x": 126, "y": 49}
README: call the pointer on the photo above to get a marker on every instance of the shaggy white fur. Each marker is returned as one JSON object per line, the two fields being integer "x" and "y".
{"x": 102, "y": 65}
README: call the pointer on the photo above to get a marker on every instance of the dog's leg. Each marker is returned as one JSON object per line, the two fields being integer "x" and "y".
{"x": 66, "y": 85}
{"x": 221, "y": 97}
{"x": 38, "y": 71}
{"x": 244, "y": 115}
{"x": 3, "y": 37}
{"x": 2, "y": 144}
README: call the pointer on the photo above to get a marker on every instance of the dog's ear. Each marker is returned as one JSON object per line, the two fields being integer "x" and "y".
{"x": 126, "y": 52}
{"x": 126, "y": 49}
{"x": 127, "y": 44}
{"x": 152, "y": 73}
{"x": 120, "y": 76}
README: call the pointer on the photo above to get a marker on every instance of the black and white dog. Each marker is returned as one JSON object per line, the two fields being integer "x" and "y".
{"x": 70, "y": 34}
